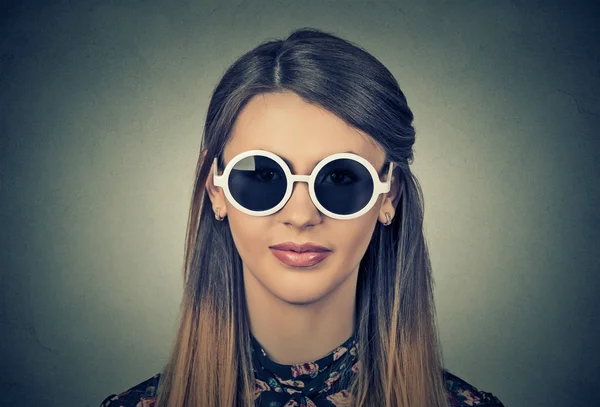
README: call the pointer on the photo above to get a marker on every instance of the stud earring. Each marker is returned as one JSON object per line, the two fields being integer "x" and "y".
{"x": 217, "y": 217}
{"x": 389, "y": 219}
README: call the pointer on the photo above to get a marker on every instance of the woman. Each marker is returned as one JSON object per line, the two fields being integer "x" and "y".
{"x": 307, "y": 277}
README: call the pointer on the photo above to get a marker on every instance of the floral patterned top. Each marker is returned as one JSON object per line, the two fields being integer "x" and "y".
{"x": 320, "y": 383}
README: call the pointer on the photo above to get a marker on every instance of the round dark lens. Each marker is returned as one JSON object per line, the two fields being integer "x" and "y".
{"x": 257, "y": 183}
{"x": 344, "y": 186}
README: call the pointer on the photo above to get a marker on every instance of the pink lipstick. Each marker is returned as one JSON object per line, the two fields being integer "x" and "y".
{"x": 296, "y": 259}
{"x": 300, "y": 255}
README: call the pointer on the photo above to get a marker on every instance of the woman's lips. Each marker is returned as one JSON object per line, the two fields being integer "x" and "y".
{"x": 295, "y": 259}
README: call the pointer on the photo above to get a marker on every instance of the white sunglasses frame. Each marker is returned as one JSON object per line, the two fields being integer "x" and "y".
{"x": 379, "y": 187}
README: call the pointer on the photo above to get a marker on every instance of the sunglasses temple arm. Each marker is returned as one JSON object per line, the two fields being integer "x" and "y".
{"x": 388, "y": 180}
{"x": 217, "y": 179}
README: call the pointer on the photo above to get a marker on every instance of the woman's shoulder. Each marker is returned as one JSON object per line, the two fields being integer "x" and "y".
{"x": 140, "y": 395}
{"x": 462, "y": 394}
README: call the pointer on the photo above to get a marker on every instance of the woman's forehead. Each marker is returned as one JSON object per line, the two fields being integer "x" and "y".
{"x": 303, "y": 133}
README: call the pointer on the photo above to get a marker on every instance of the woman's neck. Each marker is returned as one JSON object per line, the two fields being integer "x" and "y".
{"x": 299, "y": 333}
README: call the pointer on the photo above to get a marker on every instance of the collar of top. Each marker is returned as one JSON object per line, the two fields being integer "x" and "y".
{"x": 304, "y": 382}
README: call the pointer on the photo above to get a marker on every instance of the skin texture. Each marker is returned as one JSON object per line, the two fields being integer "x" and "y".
{"x": 300, "y": 314}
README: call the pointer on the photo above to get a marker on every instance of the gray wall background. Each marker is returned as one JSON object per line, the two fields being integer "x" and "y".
{"x": 101, "y": 110}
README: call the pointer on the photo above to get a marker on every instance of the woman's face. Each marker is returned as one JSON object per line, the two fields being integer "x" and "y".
{"x": 303, "y": 134}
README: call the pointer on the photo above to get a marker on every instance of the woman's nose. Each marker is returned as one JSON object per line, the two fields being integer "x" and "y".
{"x": 300, "y": 210}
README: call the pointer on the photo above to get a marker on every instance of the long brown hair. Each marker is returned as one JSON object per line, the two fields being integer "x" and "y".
{"x": 399, "y": 353}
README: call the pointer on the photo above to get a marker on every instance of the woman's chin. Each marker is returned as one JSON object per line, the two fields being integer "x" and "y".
{"x": 299, "y": 295}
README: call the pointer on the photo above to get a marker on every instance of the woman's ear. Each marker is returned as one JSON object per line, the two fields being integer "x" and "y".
{"x": 210, "y": 186}
{"x": 216, "y": 195}
{"x": 392, "y": 198}
{"x": 397, "y": 185}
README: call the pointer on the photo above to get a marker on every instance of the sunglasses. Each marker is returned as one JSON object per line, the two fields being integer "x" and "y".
{"x": 342, "y": 185}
